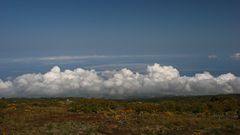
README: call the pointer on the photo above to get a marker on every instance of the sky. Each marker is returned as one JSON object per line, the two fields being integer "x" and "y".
{"x": 193, "y": 36}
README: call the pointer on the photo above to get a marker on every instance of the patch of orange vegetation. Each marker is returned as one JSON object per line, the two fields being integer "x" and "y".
{"x": 12, "y": 107}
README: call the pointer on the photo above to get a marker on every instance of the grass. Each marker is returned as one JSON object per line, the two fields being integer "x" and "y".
{"x": 202, "y": 115}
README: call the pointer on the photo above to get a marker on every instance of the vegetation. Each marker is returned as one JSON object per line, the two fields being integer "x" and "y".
{"x": 198, "y": 115}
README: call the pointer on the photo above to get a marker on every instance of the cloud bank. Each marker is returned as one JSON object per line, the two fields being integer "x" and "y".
{"x": 158, "y": 81}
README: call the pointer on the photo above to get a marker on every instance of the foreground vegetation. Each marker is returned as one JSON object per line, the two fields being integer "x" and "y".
{"x": 205, "y": 115}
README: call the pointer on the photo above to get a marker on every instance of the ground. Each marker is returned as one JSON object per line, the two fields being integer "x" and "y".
{"x": 201, "y": 115}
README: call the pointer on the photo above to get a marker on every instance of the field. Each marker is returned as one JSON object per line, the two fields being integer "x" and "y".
{"x": 200, "y": 115}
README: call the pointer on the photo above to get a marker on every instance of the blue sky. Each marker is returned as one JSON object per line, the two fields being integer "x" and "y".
{"x": 192, "y": 35}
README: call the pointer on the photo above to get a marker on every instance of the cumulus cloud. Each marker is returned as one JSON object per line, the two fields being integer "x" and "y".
{"x": 158, "y": 81}
{"x": 236, "y": 56}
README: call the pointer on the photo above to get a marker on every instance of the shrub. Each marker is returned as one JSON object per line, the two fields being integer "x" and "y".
{"x": 91, "y": 105}
{"x": 3, "y": 104}
{"x": 2, "y": 116}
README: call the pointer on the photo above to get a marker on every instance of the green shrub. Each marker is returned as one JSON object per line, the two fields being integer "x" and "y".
{"x": 39, "y": 104}
{"x": 3, "y": 104}
{"x": 2, "y": 116}
{"x": 91, "y": 105}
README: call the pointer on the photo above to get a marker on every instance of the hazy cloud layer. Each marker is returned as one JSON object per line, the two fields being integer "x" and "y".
{"x": 72, "y": 59}
{"x": 158, "y": 80}
{"x": 212, "y": 56}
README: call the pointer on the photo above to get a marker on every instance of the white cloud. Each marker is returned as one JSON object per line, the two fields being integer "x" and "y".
{"x": 212, "y": 56}
{"x": 60, "y": 58}
{"x": 82, "y": 58}
{"x": 158, "y": 80}
{"x": 236, "y": 56}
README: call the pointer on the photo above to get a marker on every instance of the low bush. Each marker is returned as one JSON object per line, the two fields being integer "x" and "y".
{"x": 3, "y": 104}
